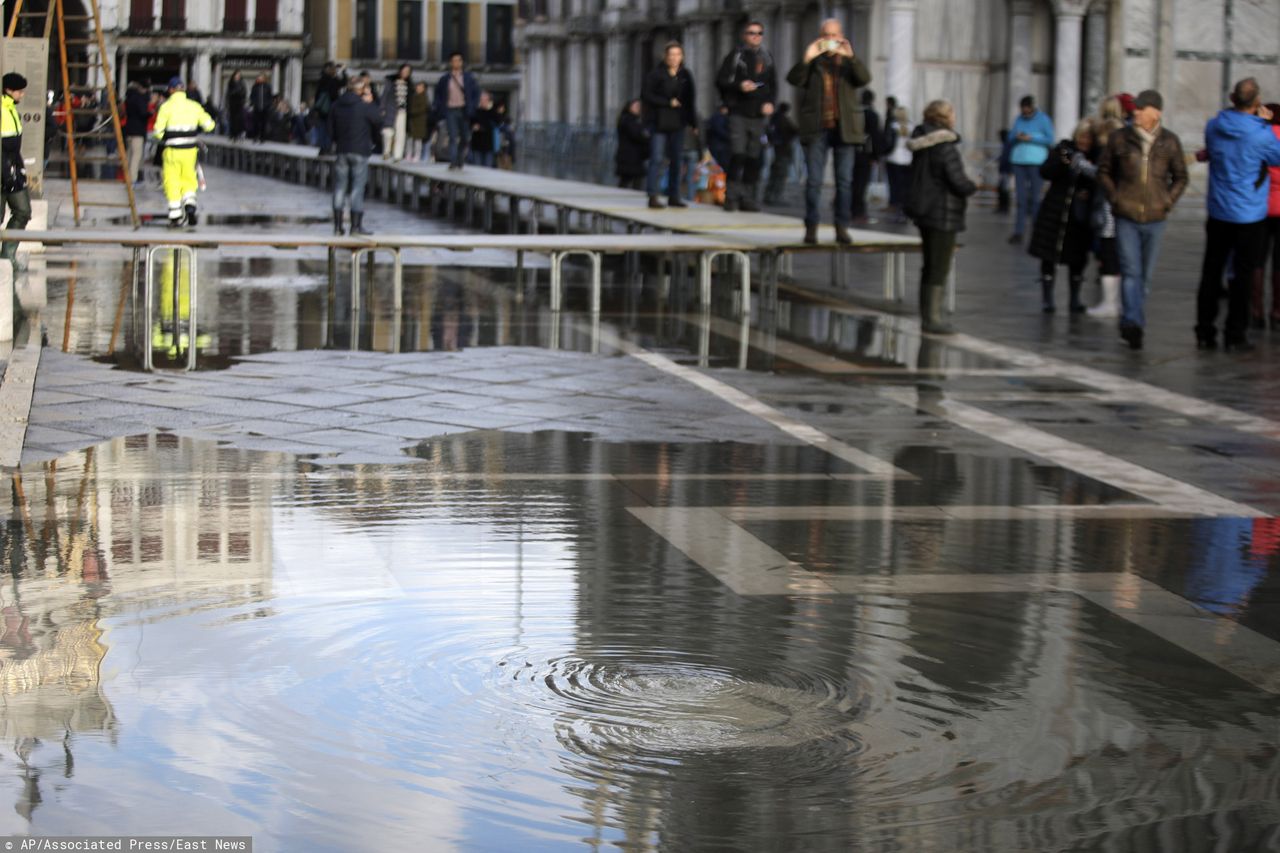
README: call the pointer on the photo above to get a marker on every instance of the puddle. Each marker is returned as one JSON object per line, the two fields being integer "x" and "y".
{"x": 203, "y": 638}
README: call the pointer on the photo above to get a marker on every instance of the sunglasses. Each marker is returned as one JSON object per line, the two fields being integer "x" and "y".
{"x": 755, "y": 32}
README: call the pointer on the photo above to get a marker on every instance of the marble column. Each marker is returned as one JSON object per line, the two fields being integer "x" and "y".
{"x": 901, "y": 66}
{"x": 698, "y": 57}
{"x": 1066, "y": 70}
{"x": 618, "y": 75}
{"x": 575, "y": 88}
{"x": 785, "y": 49}
{"x": 1019, "y": 54}
{"x": 857, "y": 28}
{"x": 593, "y": 69}
{"x": 1095, "y": 59}
{"x": 556, "y": 90}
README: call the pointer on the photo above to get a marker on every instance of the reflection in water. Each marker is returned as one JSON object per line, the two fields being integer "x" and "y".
{"x": 449, "y": 654}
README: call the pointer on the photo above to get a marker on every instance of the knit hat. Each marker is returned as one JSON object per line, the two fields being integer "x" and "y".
{"x": 1126, "y": 103}
{"x": 14, "y": 81}
{"x": 1149, "y": 98}
{"x": 175, "y": 83}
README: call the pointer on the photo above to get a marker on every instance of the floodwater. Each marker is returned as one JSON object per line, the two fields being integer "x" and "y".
{"x": 486, "y": 649}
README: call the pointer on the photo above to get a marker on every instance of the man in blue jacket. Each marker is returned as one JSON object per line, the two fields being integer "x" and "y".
{"x": 457, "y": 96}
{"x": 1032, "y": 136}
{"x": 1241, "y": 147}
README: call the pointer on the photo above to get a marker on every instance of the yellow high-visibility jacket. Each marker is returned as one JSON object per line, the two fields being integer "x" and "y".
{"x": 10, "y": 121}
{"x": 179, "y": 120}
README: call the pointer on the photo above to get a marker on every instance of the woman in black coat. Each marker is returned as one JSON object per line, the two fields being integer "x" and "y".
{"x": 235, "y": 103}
{"x": 1063, "y": 231}
{"x": 633, "y": 147}
{"x": 936, "y": 203}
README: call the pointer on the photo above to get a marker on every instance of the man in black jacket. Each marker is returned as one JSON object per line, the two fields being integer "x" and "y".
{"x": 669, "y": 102}
{"x": 354, "y": 122}
{"x": 830, "y": 118}
{"x": 748, "y": 83}
{"x": 136, "y": 101}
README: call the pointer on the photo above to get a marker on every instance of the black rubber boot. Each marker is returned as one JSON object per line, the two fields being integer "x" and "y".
{"x": 339, "y": 225}
{"x": 1046, "y": 294}
{"x": 931, "y": 321}
{"x": 357, "y": 223}
{"x": 1076, "y": 283}
{"x": 190, "y": 210}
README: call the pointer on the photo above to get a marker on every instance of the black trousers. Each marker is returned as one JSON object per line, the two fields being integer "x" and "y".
{"x": 862, "y": 163}
{"x": 937, "y": 247}
{"x": 1247, "y": 240}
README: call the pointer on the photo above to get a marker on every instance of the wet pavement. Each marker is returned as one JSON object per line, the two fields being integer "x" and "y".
{"x": 487, "y": 576}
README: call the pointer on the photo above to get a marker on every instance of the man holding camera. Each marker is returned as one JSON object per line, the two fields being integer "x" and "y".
{"x": 830, "y": 118}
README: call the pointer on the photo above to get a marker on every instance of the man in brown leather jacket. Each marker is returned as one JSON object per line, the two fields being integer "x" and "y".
{"x": 1143, "y": 172}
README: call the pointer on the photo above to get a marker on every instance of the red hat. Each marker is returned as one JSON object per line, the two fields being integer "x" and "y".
{"x": 1127, "y": 103}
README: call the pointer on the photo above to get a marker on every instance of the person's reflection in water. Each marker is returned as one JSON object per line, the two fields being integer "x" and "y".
{"x": 929, "y": 373}
{"x": 450, "y": 322}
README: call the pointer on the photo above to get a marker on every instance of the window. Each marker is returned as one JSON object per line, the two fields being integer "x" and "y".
{"x": 409, "y": 29}
{"x": 499, "y": 49}
{"x": 365, "y": 43}
{"x": 140, "y": 17}
{"x": 173, "y": 15}
{"x": 267, "y": 16}
{"x": 453, "y": 37}
{"x": 235, "y": 18}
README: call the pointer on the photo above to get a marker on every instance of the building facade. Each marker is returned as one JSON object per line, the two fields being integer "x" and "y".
{"x": 584, "y": 59}
{"x": 378, "y": 35}
{"x": 204, "y": 41}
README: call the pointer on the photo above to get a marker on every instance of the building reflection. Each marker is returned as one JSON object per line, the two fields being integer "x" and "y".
{"x": 124, "y": 530}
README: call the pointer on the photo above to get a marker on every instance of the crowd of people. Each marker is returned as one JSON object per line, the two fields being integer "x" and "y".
{"x": 1104, "y": 193}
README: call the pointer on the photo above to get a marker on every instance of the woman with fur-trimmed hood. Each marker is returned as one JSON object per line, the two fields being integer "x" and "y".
{"x": 936, "y": 203}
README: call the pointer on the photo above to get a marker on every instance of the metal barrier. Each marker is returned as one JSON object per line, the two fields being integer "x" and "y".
{"x": 706, "y": 259}
{"x": 557, "y": 261}
{"x": 147, "y": 297}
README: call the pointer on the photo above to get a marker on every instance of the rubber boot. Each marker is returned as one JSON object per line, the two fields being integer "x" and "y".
{"x": 191, "y": 219}
{"x": 1076, "y": 282}
{"x": 357, "y": 223}
{"x": 1109, "y": 305}
{"x": 339, "y": 226}
{"x": 931, "y": 321}
{"x": 1046, "y": 294}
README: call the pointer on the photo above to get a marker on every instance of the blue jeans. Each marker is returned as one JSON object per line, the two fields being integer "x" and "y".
{"x": 815, "y": 154}
{"x": 669, "y": 146}
{"x": 1137, "y": 244}
{"x": 1028, "y": 185}
{"x": 484, "y": 158}
{"x": 459, "y": 127}
{"x": 351, "y": 173}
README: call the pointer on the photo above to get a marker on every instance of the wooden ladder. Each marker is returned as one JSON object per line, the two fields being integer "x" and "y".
{"x": 56, "y": 16}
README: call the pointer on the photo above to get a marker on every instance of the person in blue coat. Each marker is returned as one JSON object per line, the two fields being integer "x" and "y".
{"x": 457, "y": 97}
{"x": 1241, "y": 146}
{"x": 1032, "y": 138}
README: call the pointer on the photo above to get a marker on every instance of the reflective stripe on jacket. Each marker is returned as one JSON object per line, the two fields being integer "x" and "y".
{"x": 10, "y": 121}
{"x": 179, "y": 120}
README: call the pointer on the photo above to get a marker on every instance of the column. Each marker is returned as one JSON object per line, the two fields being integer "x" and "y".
{"x": 1095, "y": 59}
{"x": 901, "y": 67}
{"x": 577, "y": 86}
{"x": 857, "y": 28}
{"x": 1019, "y": 55}
{"x": 531, "y": 85}
{"x": 698, "y": 48}
{"x": 251, "y": 14}
{"x": 617, "y": 72}
{"x": 592, "y": 70}
{"x": 293, "y": 80}
{"x": 201, "y": 72}
{"x": 785, "y": 46}
{"x": 1066, "y": 69}
{"x": 157, "y": 6}
{"x": 555, "y": 91}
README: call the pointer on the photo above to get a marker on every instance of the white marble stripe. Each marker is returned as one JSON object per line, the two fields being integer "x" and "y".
{"x": 950, "y": 513}
{"x": 1158, "y": 488}
{"x": 1130, "y": 389}
{"x": 738, "y": 559}
{"x": 749, "y": 566}
{"x": 740, "y": 399}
